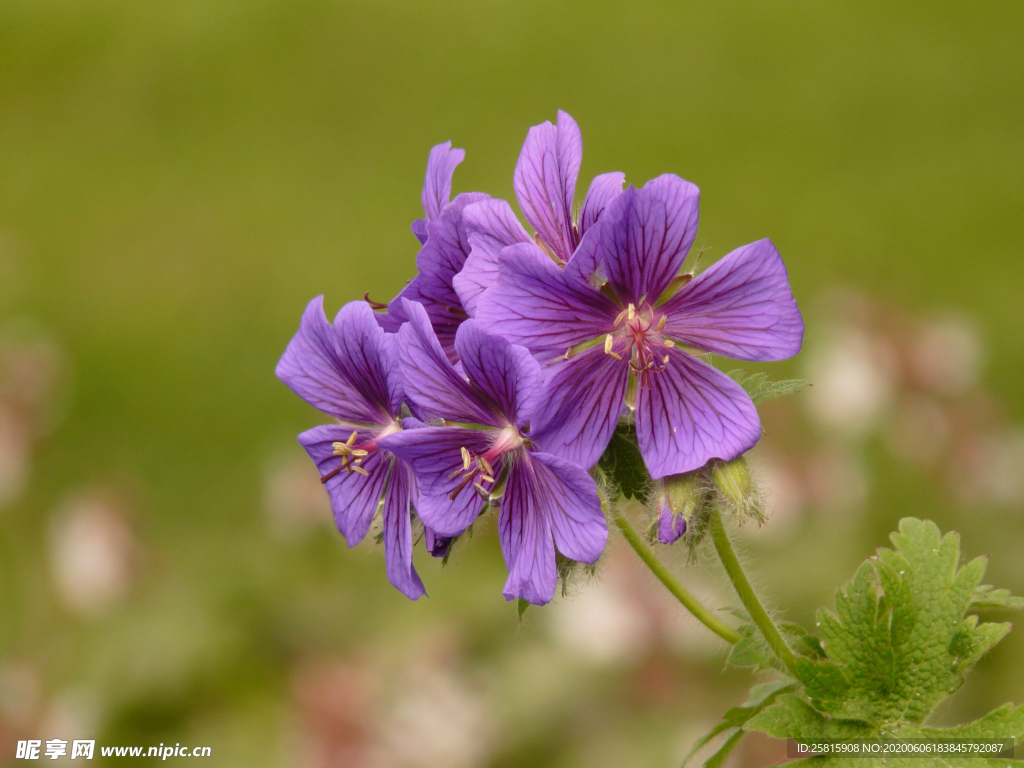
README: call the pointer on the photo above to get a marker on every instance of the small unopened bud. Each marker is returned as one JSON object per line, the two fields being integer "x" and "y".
{"x": 733, "y": 480}
{"x": 677, "y": 498}
{"x": 670, "y": 526}
{"x": 437, "y": 545}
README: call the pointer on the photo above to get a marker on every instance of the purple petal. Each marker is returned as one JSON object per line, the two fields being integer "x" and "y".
{"x": 438, "y": 262}
{"x": 491, "y": 225}
{"x": 431, "y": 381}
{"x": 692, "y": 413}
{"x": 505, "y": 372}
{"x": 313, "y": 368}
{"x": 539, "y": 306}
{"x": 436, "y": 544}
{"x": 354, "y": 497}
{"x": 419, "y": 228}
{"x": 603, "y": 189}
{"x": 437, "y": 188}
{"x": 368, "y": 358}
{"x": 670, "y": 526}
{"x": 644, "y": 237}
{"x": 740, "y": 307}
{"x": 568, "y": 497}
{"x": 398, "y": 533}
{"x": 435, "y": 455}
{"x": 526, "y": 543}
{"x": 545, "y": 181}
{"x": 580, "y": 407}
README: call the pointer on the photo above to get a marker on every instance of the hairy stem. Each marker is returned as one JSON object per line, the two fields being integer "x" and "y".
{"x": 747, "y": 595}
{"x": 703, "y": 615}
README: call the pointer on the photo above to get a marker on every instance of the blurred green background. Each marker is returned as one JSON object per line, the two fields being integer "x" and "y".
{"x": 178, "y": 179}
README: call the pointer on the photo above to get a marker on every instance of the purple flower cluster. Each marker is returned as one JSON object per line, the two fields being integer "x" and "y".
{"x": 496, "y": 378}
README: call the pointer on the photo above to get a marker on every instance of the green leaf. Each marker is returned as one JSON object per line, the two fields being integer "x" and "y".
{"x": 760, "y": 697}
{"x": 1006, "y": 722}
{"x": 760, "y": 387}
{"x": 624, "y": 466}
{"x": 987, "y": 596}
{"x": 898, "y": 643}
{"x": 793, "y": 718}
{"x": 900, "y": 639}
{"x": 719, "y": 757}
{"x": 753, "y": 651}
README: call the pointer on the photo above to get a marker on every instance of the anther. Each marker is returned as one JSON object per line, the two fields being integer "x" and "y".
{"x": 608, "y": 341}
{"x": 669, "y": 343}
{"x": 361, "y": 471}
{"x": 661, "y": 322}
{"x": 631, "y": 312}
{"x": 466, "y": 458}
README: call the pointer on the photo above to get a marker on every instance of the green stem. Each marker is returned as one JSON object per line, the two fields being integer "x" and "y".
{"x": 703, "y": 615}
{"x": 747, "y": 595}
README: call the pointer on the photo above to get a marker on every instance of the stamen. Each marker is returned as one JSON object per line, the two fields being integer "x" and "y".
{"x": 665, "y": 359}
{"x": 621, "y": 316}
{"x": 466, "y": 458}
{"x": 661, "y": 322}
{"x": 329, "y": 475}
{"x": 361, "y": 471}
{"x": 608, "y": 341}
{"x": 486, "y": 466}
{"x": 631, "y": 312}
{"x": 373, "y": 304}
{"x": 482, "y": 492}
{"x": 540, "y": 243}
{"x": 487, "y": 478}
{"x": 575, "y": 349}
{"x": 669, "y": 343}
{"x": 455, "y": 491}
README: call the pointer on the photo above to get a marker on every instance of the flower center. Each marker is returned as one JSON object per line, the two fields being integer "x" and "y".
{"x": 477, "y": 468}
{"x": 637, "y": 335}
{"x": 353, "y": 452}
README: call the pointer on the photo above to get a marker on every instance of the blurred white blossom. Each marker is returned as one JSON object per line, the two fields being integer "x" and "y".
{"x": 92, "y": 552}
{"x": 293, "y": 495}
{"x": 602, "y": 624}
{"x": 946, "y": 355}
{"x": 33, "y": 374}
{"x": 440, "y": 719}
{"x": 851, "y": 379}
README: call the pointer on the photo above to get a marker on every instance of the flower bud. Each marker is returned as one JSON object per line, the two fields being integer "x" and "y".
{"x": 677, "y": 498}
{"x": 737, "y": 488}
{"x": 437, "y": 545}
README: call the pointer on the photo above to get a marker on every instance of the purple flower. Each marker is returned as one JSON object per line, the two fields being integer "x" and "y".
{"x": 444, "y": 251}
{"x": 545, "y": 184}
{"x": 483, "y": 457}
{"x": 620, "y": 327}
{"x": 350, "y": 371}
